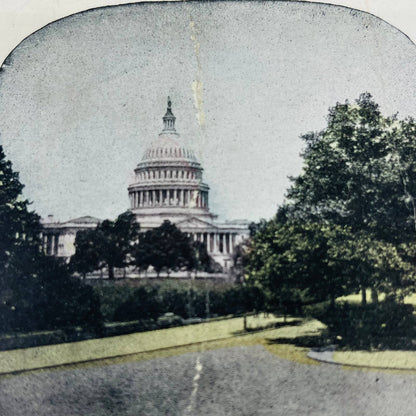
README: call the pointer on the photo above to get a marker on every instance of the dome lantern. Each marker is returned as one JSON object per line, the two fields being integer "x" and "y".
{"x": 169, "y": 119}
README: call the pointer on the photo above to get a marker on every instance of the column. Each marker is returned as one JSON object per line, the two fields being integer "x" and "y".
{"x": 227, "y": 243}
{"x": 181, "y": 197}
{"x": 56, "y": 248}
{"x": 45, "y": 243}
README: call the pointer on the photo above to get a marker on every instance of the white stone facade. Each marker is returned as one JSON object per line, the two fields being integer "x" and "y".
{"x": 59, "y": 237}
{"x": 169, "y": 186}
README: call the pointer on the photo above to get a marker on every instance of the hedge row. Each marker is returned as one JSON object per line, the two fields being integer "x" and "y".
{"x": 186, "y": 299}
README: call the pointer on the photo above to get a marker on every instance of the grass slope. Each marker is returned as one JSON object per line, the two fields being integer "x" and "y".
{"x": 107, "y": 348}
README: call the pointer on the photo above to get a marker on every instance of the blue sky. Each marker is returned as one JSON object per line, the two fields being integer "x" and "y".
{"x": 82, "y": 98}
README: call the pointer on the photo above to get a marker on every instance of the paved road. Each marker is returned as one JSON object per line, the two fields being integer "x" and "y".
{"x": 234, "y": 381}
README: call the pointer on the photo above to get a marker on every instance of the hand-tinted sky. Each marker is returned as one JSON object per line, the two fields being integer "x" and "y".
{"x": 81, "y": 98}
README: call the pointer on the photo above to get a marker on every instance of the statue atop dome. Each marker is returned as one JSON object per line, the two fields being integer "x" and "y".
{"x": 169, "y": 119}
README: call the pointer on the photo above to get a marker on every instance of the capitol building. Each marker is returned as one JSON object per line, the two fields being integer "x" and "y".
{"x": 168, "y": 185}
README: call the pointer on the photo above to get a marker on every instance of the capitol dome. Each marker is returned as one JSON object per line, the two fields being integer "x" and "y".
{"x": 169, "y": 146}
{"x": 168, "y": 178}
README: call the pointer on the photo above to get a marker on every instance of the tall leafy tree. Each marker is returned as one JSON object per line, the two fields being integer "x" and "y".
{"x": 19, "y": 227}
{"x": 87, "y": 252}
{"x": 298, "y": 263}
{"x": 109, "y": 245}
{"x": 359, "y": 172}
{"x": 36, "y": 291}
{"x": 165, "y": 248}
{"x": 350, "y": 217}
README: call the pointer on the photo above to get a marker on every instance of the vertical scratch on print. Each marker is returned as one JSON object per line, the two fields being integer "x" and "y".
{"x": 197, "y": 84}
{"x": 192, "y": 399}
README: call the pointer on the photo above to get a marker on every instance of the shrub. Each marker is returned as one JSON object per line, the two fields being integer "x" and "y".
{"x": 144, "y": 303}
{"x": 380, "y": 325}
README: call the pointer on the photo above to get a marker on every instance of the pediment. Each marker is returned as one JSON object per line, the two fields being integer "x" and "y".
{"x": 195, "y": 223}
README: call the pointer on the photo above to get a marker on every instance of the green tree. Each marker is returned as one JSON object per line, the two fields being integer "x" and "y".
{"x": 19, "y": 228}
{"x": 359, "y": 171}
{"x": 165, "y": 248}
{"x": 201, "y": 259}
{"x": 109, "y": 245}
{"x": 87, "y": 255}
{"x": 36, "y": 291}
{"x": 297, "y": 264}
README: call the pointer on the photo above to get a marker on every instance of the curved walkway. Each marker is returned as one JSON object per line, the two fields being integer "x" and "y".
{"x": 378, "y": 360}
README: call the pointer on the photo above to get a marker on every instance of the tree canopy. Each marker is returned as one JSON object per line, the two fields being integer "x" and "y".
{"x": 108, "y": 245}
{"x": 167, "y": 248}
{"x": 36, "y": 291}
{"x": 349, "y": 220}
{"x": 360, "y": 171}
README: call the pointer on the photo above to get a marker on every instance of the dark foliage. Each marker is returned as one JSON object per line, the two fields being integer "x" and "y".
{"x": 109, "y": 245}
{"x": 36, "y": 291}
{"x": 144, "y": 303}
{"x": 383, "y": 325}
{"x": 186, "y": 300}
{"x": 167, "y": 249}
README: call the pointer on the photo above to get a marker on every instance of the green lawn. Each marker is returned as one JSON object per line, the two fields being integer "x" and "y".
{"x": 209, "y": 335}
{"x": 104, "y": 348}
{"x": 356, "y": 298}
{"x": 405, "y": 360}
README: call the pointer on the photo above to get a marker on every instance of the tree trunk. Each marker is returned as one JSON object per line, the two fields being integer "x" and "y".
{"x": 374, "y": 295}
{"x": 110, "y": 272}
{"x": 363, "y": 295}
{"x": 245, "y": 322}
{"x": 207, "y": 311}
